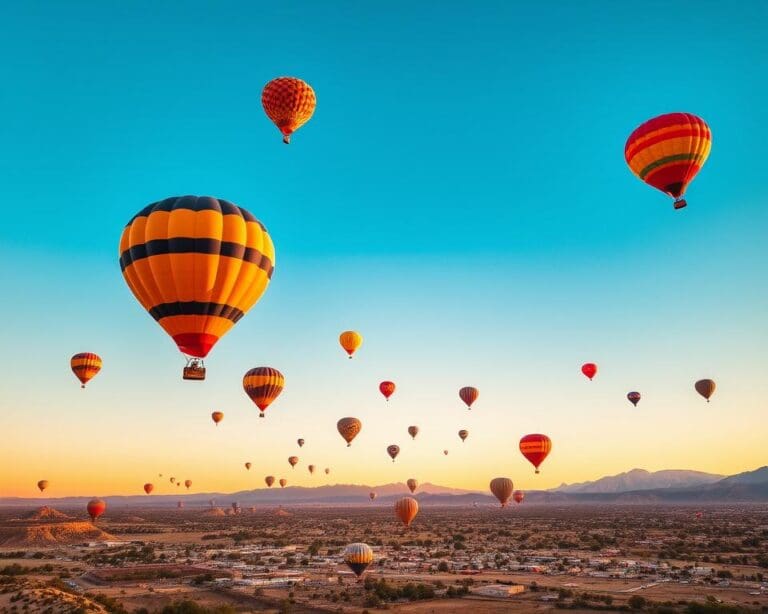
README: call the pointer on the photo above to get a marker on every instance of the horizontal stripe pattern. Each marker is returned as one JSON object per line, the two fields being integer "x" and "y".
{"x": 195, "y": 308}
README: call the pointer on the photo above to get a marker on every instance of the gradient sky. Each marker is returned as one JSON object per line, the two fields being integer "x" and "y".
{"x": 460, "y": 197}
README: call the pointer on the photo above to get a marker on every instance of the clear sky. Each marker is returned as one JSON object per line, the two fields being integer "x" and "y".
{"x": 460, "y": 197}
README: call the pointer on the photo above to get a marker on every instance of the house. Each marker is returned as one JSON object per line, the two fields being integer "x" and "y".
{"x": 499, "y": 590}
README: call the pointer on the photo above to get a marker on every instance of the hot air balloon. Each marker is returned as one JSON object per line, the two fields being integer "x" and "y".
{"x": 85, "y": 366}
{"x": 412, "y": 485}
{"x": 387, "y": 389}
{"x": 173, "y": 480}
{"x": 634, "y": 398}
{"x": 248, "y": 466}
{"x": 96, "y": 508}
{"x": 327, "y": 470}
{"x": 270, "y": 479}
{"x": 217, "y": 417}
{"x": 293, "y": 460}
{"x": 300, "y": 442}
{"x": 349, "y": 428}
{"x": 667, "y": 152}
{"x": 469, "y": 395}
{"x": 372, "y": 495}
{"x": 393, "y": 451}
{"x": 463, "y": 434}
{"x": 148, "y": 488}
{"x": 42, "y": 485}
{"x": 518, "y": 496}
{"x": 358, "y": 557}
{"x": 289, "y": 102}
{"x": 197, "y": 265}
{"x": 445, "y": 452}
{"x": 589, "y": 369}
{"x": 413, "y": 431}
{"x": 263, "y": 385}
{"x": 535, "y": 448}
{"x": 283, "y": 482}
{"x": 311, "y": 468}
{"x": 187, "y": 483}
{"x": 406, "y": 510}
{"x": 350, "y": 341}
{"x": 502, "y": 489}
{"x": 180, "y": 505}
{"x": 705, "y": 387}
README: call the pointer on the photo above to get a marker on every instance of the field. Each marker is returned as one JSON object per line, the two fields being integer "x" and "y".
{"x": 583, "y": 558}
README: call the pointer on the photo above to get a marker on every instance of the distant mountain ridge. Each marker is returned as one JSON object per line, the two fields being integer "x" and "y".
{"x": 632, "y": 487}
{"x": 640, "y": 479}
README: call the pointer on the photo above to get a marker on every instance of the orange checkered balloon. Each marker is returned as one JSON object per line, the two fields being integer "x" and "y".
{"x": 289, "y": 102}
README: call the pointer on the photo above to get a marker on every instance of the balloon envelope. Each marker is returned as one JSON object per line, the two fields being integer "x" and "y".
{"x": 502, "y": 489}
{"x": 289, "y": 102}
{"x": 96, "y": 508}
{"x": 705, "y": 387}
{"x": 197, "y": 264}
{"x": 535, "y": 448}
{"x": 263, "y": 385}
{"x": 42, "y": 485}
{"x": 349, "y": 428}
{"x": 413, "y": 431}
{"x": 358, "y": 557}
{"x": 148, "y": 488}
{"x": 393, "y": 451}
{"x": 350, "y": 340}
{"x": 85, "y": 366}
{"x": 387, "y": 389}
{"x": 406, "y": 510}
{"x": 269, "y": 480}
{"x": 412, "y": 485}
{"x": 469, "y": 395}
{"x": 217, "y": 417}
{"x": 518, "y": 496}
{"x": 589, "y": 369}
{"x": 667, "y": 152}
{"x": 634, "y": 398}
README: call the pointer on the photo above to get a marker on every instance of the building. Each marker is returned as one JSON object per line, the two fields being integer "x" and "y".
{"x": 499, "y": 590}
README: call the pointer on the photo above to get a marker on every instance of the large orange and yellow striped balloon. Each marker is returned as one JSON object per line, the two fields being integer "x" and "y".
{"x": 667, "y": 151}
{"x": 263, "y": 385}
{"x": 85, "y": 366}
{"x": 197, "y": 264}
{"x": 535, "y": 448}
{"x": 289, "y": 102}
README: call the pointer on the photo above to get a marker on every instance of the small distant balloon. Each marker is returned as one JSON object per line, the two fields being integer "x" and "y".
{"x": 705, "y": 387}
{"x": 42, "y": 485}
{"x": 327, "y": 470}
{"x": 393, "y": 451}
{"x": 311, "y": 468}
{"x": 412, "y": 485}
{"x": 283, "y": 482}
{"x": 406, "y": 510}
{"x": 634, "y": 398}
{"x": 349, "y": 428}
{"x": 95, "y": 508}
{"x": 445, "y": 452}
{"x": 263, "y": 385}
{"x": 289, "y": 102}
{"x": 387, "y": 389}
{"x": 300, "y": 441}
{"x": 413, "y": 431}
{"x": 248, "y": 466}
{"x": 85, "y": 366}
{"x": 351, "y": 341}
{"x": 469, "y": 395}
{"x": 148, "y": 488}
{"x": 502, "y": 489}
{"x": 372, "y": 495}
{"x": 463, "y": 434}
{"x": 217, "y": 417}
{"x": 589, "y": 369}
{"x": 269, "y": 480}
{"x": 535, "y": 448}
{"x": 358, "y": 557}
{"x": 518, "y": 496}
{"x": 293, "y": 460}
{"x": 187, "y": 483}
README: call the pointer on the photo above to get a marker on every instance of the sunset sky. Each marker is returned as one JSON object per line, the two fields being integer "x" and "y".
{"x": 460, "y": 197}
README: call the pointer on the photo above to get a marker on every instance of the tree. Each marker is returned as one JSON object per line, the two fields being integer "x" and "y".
{"x": 636, "y": 602}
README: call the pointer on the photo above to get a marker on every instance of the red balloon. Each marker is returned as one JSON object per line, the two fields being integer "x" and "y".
{"x": 589, "y": 369}
{"x": 96, "y": 508}
{"x": 387, "y": 389}
{"x": 535, "y": 448}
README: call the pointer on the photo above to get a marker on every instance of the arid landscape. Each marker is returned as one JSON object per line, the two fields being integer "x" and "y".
{"x": 474, "y": 559}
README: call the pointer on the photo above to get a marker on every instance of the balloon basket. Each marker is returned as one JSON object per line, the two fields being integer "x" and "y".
{"x": 679, "y": 204}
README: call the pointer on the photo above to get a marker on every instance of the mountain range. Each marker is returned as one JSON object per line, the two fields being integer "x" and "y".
{"x": 633, "y": 487}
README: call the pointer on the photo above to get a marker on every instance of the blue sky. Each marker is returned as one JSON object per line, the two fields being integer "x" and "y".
{"x": 460, "y": 197}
